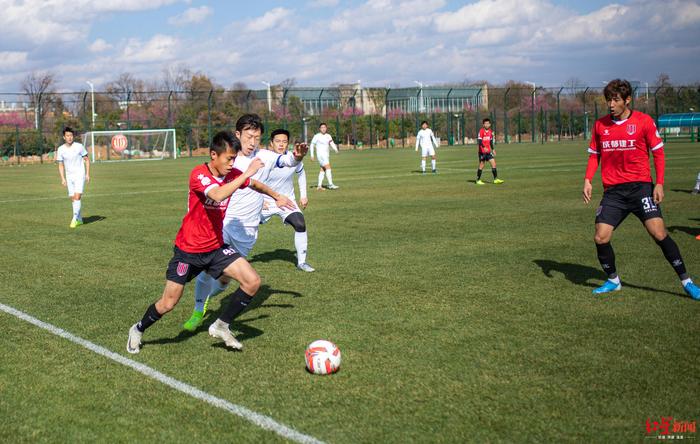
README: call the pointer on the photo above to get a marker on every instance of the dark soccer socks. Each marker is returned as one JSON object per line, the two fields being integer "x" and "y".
{"x": 495, "y": 173}
{"x": 673, "y": 256}
{"x": 606, "y": 257}
{"x": 478, "y": 174}
{"x": 239, "y": 301}
{"x": 149, "y": 318}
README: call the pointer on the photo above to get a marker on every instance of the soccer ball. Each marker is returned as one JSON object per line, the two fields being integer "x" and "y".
{"x": 322, "y": 357}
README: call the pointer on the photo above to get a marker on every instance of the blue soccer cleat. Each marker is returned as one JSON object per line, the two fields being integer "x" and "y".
{"x": 692, "y": 290}
{"x": 607, "y": 287}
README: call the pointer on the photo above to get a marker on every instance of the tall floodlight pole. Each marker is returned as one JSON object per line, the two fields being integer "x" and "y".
{"x": 92, "y": 133}
{"x": 421, "y": 106}
{"x": 92, "y": 100}
{"x": 269, "y": 95}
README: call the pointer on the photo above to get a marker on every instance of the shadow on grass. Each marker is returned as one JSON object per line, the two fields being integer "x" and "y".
{"x": 693, "y": 231}
{"x": 678, "y": 190}
{"x": 240, "y": 325}
{"x": 275, "y": 255}
{"x": 579, "y": 274}
{"x": 92, "y": 219}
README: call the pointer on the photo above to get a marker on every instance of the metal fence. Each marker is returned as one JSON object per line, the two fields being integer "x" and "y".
{"x": 30, "y": 127}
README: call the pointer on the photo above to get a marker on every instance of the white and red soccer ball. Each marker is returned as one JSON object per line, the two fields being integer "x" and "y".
{"x": 322, "y": 357}
{"x": 119, "y": 143}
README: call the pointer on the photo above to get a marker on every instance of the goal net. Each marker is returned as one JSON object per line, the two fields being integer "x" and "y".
{"x": 118, "y": 145}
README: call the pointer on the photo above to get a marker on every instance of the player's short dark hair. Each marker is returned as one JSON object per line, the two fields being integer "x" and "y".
{"x": 279, "y": 131}
{"x": 486, "y": 119}
{"x": 249, "y": 121}
{"x": 617, "y": 86}
{"x": 67, "y": 129}
{"x": 322, "y": 123}
{"x": 425, "y": 121}
{"x": 224, "y": 140}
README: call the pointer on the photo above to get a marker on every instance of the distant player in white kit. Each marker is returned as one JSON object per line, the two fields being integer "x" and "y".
{"x": 74, "y": 168}
{"x": 281, "y": 180}
{"x": 425, "y": 139}
{"x": 321, "y": 143}
{"x": 242, "y": 217}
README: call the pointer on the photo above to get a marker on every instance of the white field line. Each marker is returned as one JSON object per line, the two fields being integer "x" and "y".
{"x": 260, "y": 420}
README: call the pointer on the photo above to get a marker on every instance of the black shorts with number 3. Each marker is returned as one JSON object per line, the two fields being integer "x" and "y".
{"x": 184, "y": 266}
{"x": 621, "y": 200}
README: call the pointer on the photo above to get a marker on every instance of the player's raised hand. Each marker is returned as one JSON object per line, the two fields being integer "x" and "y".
{"x": 254, "y": 166}
{"x": 285, "y": 202}
{"x": 587, "y": 190}
{"x": 300, "y": 150}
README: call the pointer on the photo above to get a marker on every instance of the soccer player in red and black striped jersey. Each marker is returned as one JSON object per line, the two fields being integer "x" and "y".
{"x": 487, "y": 152}
{"x": 621, "y": 143}
{"x": 199, "y": 244}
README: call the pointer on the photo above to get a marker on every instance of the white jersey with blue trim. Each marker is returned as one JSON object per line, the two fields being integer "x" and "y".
{"x": 245, "y": 204}
{"x": 281, "y": 180}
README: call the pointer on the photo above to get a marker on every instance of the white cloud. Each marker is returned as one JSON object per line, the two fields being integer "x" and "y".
{"x": 323, "y": 3}
{"x": 12, "y": 60}
{"x": 271, "y": 19}
{"x": 191, "y": 16}
{"x": 99, "y": 45}
{"x": 158, "y": 49}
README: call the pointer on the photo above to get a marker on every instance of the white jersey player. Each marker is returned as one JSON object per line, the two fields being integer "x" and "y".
{"x": 281, "y": 180}
{"x": 74, "y": 168}
{"x": 321, "y": 143}
{"x": 425, "y": 139}
{"x": 242, "y": 217}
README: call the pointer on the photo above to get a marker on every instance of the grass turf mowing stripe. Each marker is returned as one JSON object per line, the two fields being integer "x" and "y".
{"x": 260, "y": 420}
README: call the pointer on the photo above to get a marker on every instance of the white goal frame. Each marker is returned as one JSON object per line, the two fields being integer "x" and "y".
{"x": 169, "y": 143}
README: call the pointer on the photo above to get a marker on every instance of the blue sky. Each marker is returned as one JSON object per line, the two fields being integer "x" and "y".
{"x": 324, "y": 42}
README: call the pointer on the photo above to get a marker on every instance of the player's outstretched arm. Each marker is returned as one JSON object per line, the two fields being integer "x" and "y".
{"x": 333, "y": 145}
{"x": 300, "y": 150}
{"x": 225, "y": 191}
{"x": 280, "y": 200}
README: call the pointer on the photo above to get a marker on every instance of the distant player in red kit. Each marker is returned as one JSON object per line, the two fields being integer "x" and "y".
{"x": 621, "y": 144}
{"x": 487, "y": 152}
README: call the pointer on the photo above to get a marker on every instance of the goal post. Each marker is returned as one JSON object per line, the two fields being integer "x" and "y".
{"x": 120, "y": 145}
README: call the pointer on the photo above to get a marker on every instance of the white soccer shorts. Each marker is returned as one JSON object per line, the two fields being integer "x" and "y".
{"x": 274, "y": 210}
{"x": 241, "y": 238}
{"x": 427, "y": 151}
{"x": 323, "y": 159}
{"x": 76, "y": 184}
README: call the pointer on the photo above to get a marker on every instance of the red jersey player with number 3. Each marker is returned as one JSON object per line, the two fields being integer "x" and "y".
{"x": 621, "y": 143}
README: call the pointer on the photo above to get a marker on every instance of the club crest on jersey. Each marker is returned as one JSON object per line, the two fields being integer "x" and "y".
{"x": 631, "y": 128}
{"x": 204, "y": 180}
{"x": 182, "y": 268}
{"x": 606, "y": 132}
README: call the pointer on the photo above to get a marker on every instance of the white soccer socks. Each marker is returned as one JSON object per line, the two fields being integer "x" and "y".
{"x": 300, "y": 242}
{"x": 320, "y": 179}
{"x": 202, "y": 287}
{"x": 329, "y": 176}
{"x": 432, "y": 163}
{"x": 422, "y": 165}
{"x": 76, "y": 209}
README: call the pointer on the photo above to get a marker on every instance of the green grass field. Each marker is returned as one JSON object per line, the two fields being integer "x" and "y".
{"x": 464, "y": 313}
